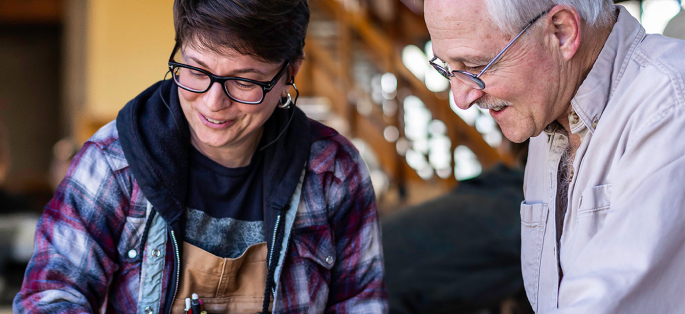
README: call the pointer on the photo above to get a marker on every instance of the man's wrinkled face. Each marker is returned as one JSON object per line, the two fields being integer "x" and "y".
{"x": 520, "y": 88}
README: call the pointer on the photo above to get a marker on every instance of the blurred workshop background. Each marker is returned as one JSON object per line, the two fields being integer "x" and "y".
{"x": 68, "y": 66}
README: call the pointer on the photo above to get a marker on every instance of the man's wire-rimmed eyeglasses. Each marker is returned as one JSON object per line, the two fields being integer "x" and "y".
{"x": 473, "y": 80}
{"x": 239, "y": 89}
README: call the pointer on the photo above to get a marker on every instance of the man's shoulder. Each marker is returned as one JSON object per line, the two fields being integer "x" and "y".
{"x": 661, "y": 61}
{"x": 655, "y": 46}
{"x": 652, "y": 86}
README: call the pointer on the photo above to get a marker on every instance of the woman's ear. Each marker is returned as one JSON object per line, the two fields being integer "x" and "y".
{"x": 294, "y": 69}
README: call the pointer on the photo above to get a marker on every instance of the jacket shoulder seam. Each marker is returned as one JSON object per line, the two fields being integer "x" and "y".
{"x": 667, "y": 69}
{"x": 105, "y": 148}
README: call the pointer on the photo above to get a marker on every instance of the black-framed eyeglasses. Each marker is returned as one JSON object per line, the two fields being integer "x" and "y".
{"x": 239, "y": 89}
{"x": 473, "y": 80}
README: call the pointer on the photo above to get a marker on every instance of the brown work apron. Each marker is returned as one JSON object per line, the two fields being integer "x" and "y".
{"x": 225, "y": 285}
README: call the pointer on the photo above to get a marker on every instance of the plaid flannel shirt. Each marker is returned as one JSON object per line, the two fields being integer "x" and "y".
{"x": 86, "y": 255}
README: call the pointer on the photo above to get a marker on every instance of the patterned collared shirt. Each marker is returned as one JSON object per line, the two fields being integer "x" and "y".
{"x": 87, "y": 248}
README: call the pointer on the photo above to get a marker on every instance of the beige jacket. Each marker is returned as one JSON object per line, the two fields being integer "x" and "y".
{"x": 622, "y": 242}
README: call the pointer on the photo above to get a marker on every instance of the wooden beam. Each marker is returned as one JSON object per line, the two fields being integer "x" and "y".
{"x": 361, "y": 25}
{"x": 380, "y": 47}
{"x": 372, "y": 134}
{"x": 31, "y": 11}
{"x": 459, "y": 131}
{"x": 370, "y": 127}
{"x": 323, "y": 85}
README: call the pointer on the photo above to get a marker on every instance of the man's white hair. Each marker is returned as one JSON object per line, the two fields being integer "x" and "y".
{"x": 512, "y": 15}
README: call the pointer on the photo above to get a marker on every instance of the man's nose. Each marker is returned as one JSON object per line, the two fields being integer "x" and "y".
{"x": 215, "y": 98}
{"x": 464, "y": 96}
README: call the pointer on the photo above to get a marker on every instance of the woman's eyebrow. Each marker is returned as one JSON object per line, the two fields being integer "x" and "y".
{"x": 198, "y": 61}
{"x": 248, "y": 70}
{"x": 238, "y": 71}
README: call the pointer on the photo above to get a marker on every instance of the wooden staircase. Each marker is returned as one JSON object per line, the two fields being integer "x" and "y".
{"x": 347, "y": 49}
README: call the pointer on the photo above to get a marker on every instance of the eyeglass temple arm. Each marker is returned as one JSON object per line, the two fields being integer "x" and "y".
{"x": 511, "y": 43}
{"x": 173, "y": 52}
{"x": 503, "y": 50}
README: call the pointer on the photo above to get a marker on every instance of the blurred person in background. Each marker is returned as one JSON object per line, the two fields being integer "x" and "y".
{"x": 17, "y": 223}
{"x": 9, "y": 203}
{"x": 4, "y": 154}
{"x": 62, "y": 154}
{"x": 603, "y": 104}
{"x": 214, "y": 183}
{"x": 460, "y": 253}
{"x": 676, "y": 26}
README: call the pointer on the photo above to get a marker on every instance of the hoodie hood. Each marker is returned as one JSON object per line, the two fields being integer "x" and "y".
{"x": 155, "y": 138}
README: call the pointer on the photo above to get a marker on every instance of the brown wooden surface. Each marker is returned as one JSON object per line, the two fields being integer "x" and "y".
{"x": 31, "y": 11}
{"x": 362, "y": 26}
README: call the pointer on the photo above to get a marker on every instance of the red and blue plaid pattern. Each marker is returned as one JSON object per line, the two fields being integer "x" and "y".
{"x": 88, "y": 238}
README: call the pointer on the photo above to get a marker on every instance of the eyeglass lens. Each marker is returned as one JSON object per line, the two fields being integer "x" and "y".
{"x": 199, "y": 82}
{"x": 470, "y": 81}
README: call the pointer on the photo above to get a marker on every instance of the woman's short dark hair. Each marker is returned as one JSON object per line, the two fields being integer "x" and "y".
{"x": 269, "y": 30}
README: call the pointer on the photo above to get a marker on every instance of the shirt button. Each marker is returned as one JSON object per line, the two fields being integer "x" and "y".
{"x": 156, "y": 253}
{"x": 329, "y": 260}
{"x": 132, "y": 253}
{"x": 149, "y": 310}
{"x": 573, "y": 117}
{"x": 594, "y": 123}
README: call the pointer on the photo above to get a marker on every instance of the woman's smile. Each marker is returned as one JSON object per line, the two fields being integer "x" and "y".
{"x": 216, "y": 124}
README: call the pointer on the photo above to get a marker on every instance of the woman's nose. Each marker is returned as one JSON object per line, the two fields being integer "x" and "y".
{"x": 215, "y": 98}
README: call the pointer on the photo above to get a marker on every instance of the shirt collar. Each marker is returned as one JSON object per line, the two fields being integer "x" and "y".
{"x": 594, "y": 93}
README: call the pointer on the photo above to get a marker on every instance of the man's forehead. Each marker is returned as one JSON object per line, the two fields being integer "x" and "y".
{"x": 461, "y": 30}
{"x": 458, "y": 13}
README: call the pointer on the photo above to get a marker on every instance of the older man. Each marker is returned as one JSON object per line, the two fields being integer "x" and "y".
{"x": 603, "y": 221}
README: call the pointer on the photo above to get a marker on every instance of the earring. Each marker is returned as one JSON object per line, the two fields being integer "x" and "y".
{"x": 285, "y": 102}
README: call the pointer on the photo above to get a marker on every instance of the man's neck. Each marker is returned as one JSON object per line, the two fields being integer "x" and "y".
{"x": 586, "y": 58}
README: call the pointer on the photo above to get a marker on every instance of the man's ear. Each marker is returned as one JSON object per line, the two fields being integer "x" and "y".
{"x": 566, "y": 26}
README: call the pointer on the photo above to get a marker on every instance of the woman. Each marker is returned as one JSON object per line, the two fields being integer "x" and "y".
{"x": 213, "y": 183}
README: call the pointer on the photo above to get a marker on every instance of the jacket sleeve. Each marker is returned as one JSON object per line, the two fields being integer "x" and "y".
{"x": 357, "y": 278}
{"x": 75, "y": 253}
{"x": 635, "y": 262}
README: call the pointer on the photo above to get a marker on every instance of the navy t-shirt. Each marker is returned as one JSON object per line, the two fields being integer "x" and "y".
{"x": 224, "y": 215}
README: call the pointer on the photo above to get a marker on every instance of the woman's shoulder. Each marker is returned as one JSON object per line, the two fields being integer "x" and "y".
{"x": 105, "y": 143}
{"x": 331, "y": 151}
{"x": 98, "y": 164}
